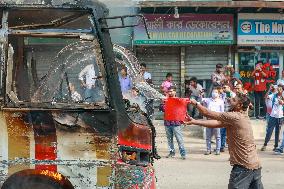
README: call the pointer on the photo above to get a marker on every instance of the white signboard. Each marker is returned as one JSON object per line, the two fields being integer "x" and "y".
{"x": 260, "y": 29}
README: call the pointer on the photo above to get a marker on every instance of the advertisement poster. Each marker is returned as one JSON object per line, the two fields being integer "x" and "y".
{"x": 186, "y": 29}
{"x": 260, "y": 29}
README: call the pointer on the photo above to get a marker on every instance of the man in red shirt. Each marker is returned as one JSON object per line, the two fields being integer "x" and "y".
{"x": 260, "y": 75}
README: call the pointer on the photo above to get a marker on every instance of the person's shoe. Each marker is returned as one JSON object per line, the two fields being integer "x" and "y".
{"x": 207, "y": 153}
{"x": 257, "y": 117}
{"x": 275, "y": 148}
{"x": 183, "y": 157}
{"x": 263, "y": 148}
{"x": 278, "y": 151}
{"x": 222, "y": 149}
{"x": 217, "y": 153}
{"x": 170, "y": 155}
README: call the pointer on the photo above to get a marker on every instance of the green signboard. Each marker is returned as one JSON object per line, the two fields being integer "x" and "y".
{"x": 165, "y": 29}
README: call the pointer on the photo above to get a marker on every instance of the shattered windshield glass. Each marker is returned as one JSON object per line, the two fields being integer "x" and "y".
{"x": 56, "y": 70}
{"x": 75, "y": 75}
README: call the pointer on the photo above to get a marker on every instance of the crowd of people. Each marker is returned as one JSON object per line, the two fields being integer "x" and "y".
{"x": 226, "y": 84}
{"x": 226, "y": 110}
{"x": 225, "y": 106}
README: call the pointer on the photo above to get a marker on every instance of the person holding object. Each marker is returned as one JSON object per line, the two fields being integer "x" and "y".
{"x": 173, "y": 128}
{"x": 276, "y": 114}
{"x": 246, "y": 172}
{"x": 260, "y": 79}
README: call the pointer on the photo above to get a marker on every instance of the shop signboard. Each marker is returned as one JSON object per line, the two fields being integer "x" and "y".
{"x": 260, "y": 29}
{"x": 167, "y": 29}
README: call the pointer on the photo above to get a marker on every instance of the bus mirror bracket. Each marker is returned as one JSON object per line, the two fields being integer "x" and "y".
{"x": 123, "y": 25}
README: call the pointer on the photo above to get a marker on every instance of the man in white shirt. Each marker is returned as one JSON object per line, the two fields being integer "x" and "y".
{"x": 88, "y": 80}
{"x": 276, "y": 115}
{"x": 147, "y": 78}
{"x": 281, "y": 80}
{"x": 146, "y": 75}
{"x": 194, "y": 91}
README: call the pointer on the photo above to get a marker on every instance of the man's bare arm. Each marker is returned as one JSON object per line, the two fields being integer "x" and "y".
{"x": 204, "y": 111}
{"x": 205, "y": 123}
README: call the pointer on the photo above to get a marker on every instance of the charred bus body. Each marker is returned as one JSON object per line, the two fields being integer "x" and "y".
{"x": 53, "y": 135}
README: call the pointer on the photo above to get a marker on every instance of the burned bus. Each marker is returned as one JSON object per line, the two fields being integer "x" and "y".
{"x": 63, "y": 121}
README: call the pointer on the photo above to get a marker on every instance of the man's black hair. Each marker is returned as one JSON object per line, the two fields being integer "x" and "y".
{"x": 169, "y": 75}
{"x": 124, "y": 68}
{"x": 244, "y": 100}
{"x": 194, "y": 79}
{"x": 135, "y": 89}
{"x": 143, "y": 65}
{"x": 219, "y": 65}
{"x": 259, "y": 61}
{"x": 172, "y": 88}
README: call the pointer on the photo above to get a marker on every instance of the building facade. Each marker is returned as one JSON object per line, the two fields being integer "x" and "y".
{"x": 188, "y": 38}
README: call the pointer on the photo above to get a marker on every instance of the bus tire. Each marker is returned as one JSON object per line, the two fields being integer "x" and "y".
{"x": 31, "y": 182}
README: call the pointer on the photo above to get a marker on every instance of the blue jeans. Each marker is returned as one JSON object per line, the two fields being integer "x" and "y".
{"x": 209, "y": 134}
{"x": 176, "y": 131}
{"x": 273, "y": 123}
{"x": 223, "y": 137}
{"x": 267, "y": 117}
{"x": 282, "y": 143}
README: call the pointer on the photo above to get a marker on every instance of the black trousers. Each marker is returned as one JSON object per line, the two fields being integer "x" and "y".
{"x": 243, "y": 178}
{"x": 259, "y": 101}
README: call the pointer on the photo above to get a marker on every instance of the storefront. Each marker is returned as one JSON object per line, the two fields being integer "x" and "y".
{"x": 188, "y": 45}
{"x": 260, "y": 37}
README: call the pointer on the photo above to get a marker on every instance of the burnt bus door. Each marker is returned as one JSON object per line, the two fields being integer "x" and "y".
{"x": 135, "y": 137}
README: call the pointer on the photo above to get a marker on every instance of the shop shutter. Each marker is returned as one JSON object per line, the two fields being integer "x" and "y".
{"x": 200, "y": 61}
{"x": 160, "y": 61}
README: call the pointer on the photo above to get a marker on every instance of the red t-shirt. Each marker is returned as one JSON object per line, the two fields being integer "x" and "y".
{"x": 260, "y": 81}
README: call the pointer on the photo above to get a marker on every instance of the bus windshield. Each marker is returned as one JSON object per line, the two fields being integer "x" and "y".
{"x": 59, "y": 73}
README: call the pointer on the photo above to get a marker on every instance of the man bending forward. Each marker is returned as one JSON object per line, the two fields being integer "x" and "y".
{"x": 246, "y": 172}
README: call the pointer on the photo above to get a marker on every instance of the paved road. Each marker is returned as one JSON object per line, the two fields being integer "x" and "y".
{"x": 199, "y": 171}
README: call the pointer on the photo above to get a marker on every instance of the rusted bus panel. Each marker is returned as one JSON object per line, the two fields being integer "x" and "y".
{"x": 104, "y": 176}
{"x": 36, "y": 139}
{"x": 19, "y": 137}
{"x": 129, "y": 177}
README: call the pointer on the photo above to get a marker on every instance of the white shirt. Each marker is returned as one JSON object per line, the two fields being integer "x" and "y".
{"x": 147, "y": 75}
{"x": 76, "y": 97}
{"x": 277, "y": 109}
{"x": 280, "y": 82}
{"x": 214, "y": 105}
{"x": 196, "y": 91}
{"x": 89, "y": 73}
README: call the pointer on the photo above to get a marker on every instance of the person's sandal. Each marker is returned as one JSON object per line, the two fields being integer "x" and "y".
{"x": 207, "y": 153}
{"x": 263, "y": 148}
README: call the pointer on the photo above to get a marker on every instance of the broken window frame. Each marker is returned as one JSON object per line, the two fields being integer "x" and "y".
{"x": 88, "y": 35}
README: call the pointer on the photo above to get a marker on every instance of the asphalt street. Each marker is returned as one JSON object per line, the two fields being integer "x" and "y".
{"x": 199, "y": 171}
